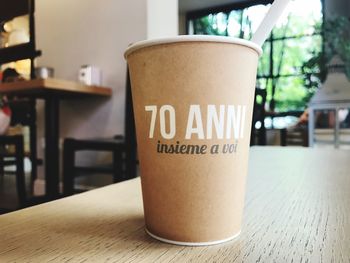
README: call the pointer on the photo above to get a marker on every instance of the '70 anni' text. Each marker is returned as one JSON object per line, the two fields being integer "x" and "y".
{"x": 225, "y": 121}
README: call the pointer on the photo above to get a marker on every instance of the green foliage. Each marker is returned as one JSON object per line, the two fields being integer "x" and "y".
{"x": 337, "y": 39}
{"x": 296, "y": 42}
{"x": 208, "y": 25}
{"x": 336, "y": 42}
{"x": 299, "y": 40}
{"x": 290, "y": 95}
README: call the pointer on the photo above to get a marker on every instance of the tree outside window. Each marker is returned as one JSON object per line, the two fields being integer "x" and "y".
{"x": 295, "y": 39}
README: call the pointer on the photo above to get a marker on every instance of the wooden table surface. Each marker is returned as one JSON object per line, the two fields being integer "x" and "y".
{"x": 39, "y": 86}
{"x": 297, "y": 210}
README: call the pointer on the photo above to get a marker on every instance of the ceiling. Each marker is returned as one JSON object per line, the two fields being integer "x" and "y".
{"x": 190, "y": 5}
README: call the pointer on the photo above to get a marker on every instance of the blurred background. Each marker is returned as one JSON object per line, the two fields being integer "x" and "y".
{"x": 302, "y": 96}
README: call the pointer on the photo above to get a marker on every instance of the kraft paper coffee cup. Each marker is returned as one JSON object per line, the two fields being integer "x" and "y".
{"x": 193, "y": 101}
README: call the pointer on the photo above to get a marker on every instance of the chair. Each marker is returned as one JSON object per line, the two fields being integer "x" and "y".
{"x": 258, "y": 136}
{"x": 123, "y": 149}
{"x": 24, "y": 113}
{"x": 295, "y": 136}
{"x": 18, "y": 155}
{"x": 24, "y": 110}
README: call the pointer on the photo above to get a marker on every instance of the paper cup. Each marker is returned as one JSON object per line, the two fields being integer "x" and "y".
{"x": 193, "y": 100}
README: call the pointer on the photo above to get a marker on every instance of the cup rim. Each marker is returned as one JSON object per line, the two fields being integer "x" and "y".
{"x": 191, "y": 38}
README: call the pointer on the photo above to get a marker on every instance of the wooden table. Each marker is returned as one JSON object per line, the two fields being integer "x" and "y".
{"x": 297, "y": 210}
{"x": 52, "y": 91}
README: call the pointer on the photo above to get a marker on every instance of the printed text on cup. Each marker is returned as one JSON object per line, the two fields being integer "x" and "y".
{"x": 223, "y": 122}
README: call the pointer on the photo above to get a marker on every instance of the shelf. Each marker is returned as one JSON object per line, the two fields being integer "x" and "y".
{"x": 18, "y": 52}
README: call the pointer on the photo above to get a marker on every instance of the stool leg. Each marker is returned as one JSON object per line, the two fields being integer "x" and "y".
{"x": 118, "y": 166}
{"x": 2, "y": 168}
{"x": 33, "y": 143}
{"x": 34, "y": 172}
{"x": 20, "y": 177}
{"x": 283, "y": 134}
{"x": 68, "y": 168}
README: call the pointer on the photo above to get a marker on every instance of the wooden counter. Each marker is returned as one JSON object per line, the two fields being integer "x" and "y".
{"x": 297, "y": 210}
{"x": 41, "y": 87}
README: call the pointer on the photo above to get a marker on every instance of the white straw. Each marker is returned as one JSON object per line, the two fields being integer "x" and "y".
{"x": 269, "y": 21}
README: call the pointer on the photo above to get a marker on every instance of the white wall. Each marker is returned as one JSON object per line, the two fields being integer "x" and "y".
{"x": 74, "y": 33}
{"x": 162, "y": 18}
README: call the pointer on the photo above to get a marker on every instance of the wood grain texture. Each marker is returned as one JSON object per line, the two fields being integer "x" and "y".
{"x": 54, "y": 85}
{"x": 297, "y": 210}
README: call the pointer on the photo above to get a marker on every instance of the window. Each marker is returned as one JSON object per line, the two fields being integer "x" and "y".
{"x": 294, "y": 40}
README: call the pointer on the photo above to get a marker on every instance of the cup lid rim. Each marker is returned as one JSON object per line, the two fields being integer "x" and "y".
{"x": 191, "y": 38}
